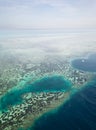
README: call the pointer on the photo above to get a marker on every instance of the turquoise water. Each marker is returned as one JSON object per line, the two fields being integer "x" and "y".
{"x": 47, "y": 84}
{"x": 88, "y": 64}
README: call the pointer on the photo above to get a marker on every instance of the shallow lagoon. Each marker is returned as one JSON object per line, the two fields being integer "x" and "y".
{"x": 46, "y": 84}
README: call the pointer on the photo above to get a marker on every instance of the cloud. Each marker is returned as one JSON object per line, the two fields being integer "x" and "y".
{"x": 47, "y": 13}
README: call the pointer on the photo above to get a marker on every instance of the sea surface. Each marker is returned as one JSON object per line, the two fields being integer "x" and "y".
{"x": 85, "y": 64}
{"x": 79, "y": 113}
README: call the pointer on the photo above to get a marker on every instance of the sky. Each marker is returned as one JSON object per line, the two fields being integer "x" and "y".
{"x": 47, "y": 14}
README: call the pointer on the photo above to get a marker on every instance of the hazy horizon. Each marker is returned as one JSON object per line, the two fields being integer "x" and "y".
{"x": 47, "y": 14}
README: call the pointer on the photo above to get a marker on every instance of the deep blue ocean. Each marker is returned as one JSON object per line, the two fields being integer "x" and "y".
{"x": 86, "y": 64}
{"x": 79, "y": 113}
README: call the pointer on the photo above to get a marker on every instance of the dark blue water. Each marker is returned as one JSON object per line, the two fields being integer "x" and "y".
{"x": 79, "y": 113}
{"x": 88, "y": 64}
{"x": 47, "y": 84}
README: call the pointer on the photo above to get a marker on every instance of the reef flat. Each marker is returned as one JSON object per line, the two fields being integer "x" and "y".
{"x": 35, "y": 79}
{"x": 21, "y": 114}
{"x": 33, "y": 105}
